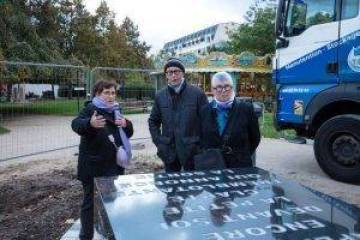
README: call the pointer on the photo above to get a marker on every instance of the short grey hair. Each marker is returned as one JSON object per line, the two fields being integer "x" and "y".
{"x": 222, "y": 77}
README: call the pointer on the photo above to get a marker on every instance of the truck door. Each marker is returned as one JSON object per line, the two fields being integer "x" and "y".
{"x": 311, "y": 28}
{"x": 349, "y": 44}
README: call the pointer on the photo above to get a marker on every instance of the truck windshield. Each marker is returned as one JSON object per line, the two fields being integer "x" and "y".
{"x": 350, "y": 9}
{"x": 305, "y": 13}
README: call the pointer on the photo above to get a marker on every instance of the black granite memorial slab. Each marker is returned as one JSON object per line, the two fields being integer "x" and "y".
{"x": 220, "y": 205}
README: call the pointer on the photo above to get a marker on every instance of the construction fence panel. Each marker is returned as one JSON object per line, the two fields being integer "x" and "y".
{"x": 37, "y": 104}
{"x": 39, "y": 101}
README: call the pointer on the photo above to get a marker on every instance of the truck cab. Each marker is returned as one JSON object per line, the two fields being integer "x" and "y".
{"x": 316, "y": 71}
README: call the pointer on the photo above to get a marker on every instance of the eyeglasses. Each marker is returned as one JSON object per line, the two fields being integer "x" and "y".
{"x": 220, "y": 88}
{"x": 175, "y": 72}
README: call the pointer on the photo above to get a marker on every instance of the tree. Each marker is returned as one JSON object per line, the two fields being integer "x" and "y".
{"x": 257, "y": 35}
{"x": 22, "y": 31}
{"x": 22, "y": 51}
{"x": 83, "y": 35}
{"x": 1, "y": 55}
{"x": 259, "y": 4}
{"x": 116, "y": 46}
{"x": 63, "y": 32}
{"x": 67, "y": 21}
{"x": 103, "y": 18}
{"x": 137, "y": 51}
{"x": 44, "y": 17}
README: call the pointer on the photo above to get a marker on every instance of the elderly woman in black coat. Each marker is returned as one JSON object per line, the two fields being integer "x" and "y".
{"x": 229, "y": 124}
{"x": 99, "y": 125}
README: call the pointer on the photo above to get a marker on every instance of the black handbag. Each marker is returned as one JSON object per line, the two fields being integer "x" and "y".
{"x": 212, "y": 158}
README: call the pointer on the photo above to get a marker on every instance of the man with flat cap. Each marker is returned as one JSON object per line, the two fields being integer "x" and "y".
{"x": 174, "y": 122}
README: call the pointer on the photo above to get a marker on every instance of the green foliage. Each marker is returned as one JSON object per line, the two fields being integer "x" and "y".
{"x": 23, "y": 35}
{"x": 3, "y": 130}
{"x": 1, "y": 55}
{"x": 268, "y": 130}
{"x": 64, "y": 32}
{"x": 136, "y": 79}
{"x": 137, "y": 52}
{"x": 257, "y": 35}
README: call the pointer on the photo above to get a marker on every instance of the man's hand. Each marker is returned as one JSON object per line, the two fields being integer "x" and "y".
{"x": 121, "y": 122}
{"x": 97, "y": 121}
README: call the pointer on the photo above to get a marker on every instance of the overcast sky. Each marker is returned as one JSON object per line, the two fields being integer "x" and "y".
{"x": 161, "y": 21}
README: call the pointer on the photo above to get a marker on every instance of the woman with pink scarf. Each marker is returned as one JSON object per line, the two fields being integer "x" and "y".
{"x": 103, "y": 132}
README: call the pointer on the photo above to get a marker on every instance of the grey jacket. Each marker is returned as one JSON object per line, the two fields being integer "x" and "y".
{"x": 174, "y": 123}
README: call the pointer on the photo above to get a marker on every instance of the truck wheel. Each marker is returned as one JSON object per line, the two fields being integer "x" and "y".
{"x": 337, "y": 148}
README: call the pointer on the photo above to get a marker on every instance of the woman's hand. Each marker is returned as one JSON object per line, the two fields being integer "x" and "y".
{"x": 121, "y": 122}
{"x": 97, "y": 121}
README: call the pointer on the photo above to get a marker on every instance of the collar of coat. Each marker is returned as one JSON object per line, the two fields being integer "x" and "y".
{"x": 172, "y": 91}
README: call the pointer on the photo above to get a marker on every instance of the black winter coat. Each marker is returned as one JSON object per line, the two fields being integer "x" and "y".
{"x": 244, "y": 132}
{"x": 97, "y": 154}
{"x": 174, "y": 123}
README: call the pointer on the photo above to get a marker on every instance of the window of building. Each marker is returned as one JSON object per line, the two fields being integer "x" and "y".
{"x": 350, "y": 9}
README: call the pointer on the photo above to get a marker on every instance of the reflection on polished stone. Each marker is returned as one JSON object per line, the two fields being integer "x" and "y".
{"x": 219, "y": 205}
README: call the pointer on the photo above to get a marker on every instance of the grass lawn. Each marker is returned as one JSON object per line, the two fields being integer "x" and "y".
{"x": 3, "y": 130}
{"x": 50, "y": 107}
{"x": 268, "y": 130}
{"x": 57, "y": 107}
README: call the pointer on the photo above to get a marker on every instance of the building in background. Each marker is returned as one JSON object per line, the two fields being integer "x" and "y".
{"x": 201, "y": 42}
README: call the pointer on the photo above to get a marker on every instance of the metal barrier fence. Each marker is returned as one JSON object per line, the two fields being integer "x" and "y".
{"x": 136, "y": 88}
{"x": 30, "y": 95}
{"x": 38, "y": 102}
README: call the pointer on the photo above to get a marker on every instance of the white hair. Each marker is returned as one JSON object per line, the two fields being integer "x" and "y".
{"x": 221, "y": 77}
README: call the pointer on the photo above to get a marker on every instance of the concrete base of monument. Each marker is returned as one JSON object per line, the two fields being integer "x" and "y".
{"x": 73, "y": 233}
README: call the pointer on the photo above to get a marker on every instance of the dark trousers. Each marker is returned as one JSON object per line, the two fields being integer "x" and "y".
{"x": 175, "y": 166}
{"x": 87, "y": 211}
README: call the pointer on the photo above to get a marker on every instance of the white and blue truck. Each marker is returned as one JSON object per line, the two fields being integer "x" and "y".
{"x": 317, "y": 77}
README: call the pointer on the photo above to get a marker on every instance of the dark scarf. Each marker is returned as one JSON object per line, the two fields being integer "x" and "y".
{"x": 175, "y": 96}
